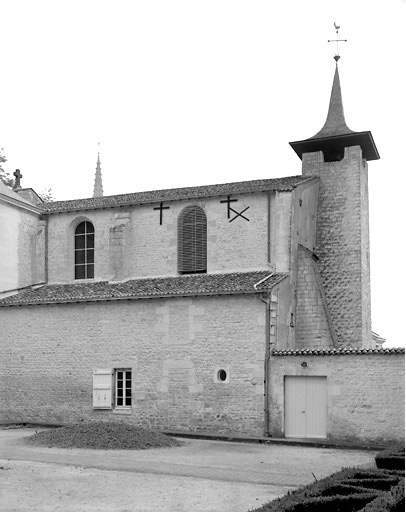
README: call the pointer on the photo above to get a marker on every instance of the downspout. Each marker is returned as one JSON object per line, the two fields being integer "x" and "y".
{"x": 46, "y": 249}
{"x": 265, "y": 299}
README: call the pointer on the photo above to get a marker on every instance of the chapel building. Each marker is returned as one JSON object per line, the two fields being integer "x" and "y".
{"x": 237, "y": 309}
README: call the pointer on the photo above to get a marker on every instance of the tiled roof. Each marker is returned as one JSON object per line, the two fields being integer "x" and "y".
{"x": 154, "y": 196}
{"x": 338, "y": 351}
{"x": 188, "y": 285}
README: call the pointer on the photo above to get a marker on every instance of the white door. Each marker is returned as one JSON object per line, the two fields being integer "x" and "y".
{"x": 305, "y": 406}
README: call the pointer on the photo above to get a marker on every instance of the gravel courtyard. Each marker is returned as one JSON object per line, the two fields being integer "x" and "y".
{"x": 200, "y": 475}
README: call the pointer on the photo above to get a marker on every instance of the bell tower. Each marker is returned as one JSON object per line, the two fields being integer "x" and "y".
{"x": 339, "y": 156}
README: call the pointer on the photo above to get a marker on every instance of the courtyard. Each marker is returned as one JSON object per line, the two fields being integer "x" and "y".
{"x": 200, "y": 475}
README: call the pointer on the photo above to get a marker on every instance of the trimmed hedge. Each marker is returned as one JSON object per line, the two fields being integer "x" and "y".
{"x": 393, "y": 501}
{"x": 351, "y": 503}
{"x": 392, "y": 458}
{"x": 352, "y": 489}
{"x": 379, "y": 484}
{"x": 317, "y": 496}
{"x": 349, "y": 490}
{"x": 344, "y": 490}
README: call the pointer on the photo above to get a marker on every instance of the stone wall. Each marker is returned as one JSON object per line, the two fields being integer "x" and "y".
{"x": 174, "y": 347}
{"x": 9, "y": 247}
{"x": 365, "y": 393}
{"x": 343, "y": 243}
{"x": 22, "y": 247}
{"x": 313, "y": 326}
{"x": 131, "y": 242}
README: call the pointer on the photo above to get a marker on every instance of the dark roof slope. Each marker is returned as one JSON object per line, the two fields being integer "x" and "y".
{"x": 154, "y": 196}
{"x": 189, "y": 285}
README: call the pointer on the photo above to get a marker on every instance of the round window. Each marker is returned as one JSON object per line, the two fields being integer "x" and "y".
{"x": 222, "y": 375}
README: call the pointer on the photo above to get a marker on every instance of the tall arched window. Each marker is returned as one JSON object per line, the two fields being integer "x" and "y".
{"x": 84, "y": 251}
{"x": 192, "y": 241}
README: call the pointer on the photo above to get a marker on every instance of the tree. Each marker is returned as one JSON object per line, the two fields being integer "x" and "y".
{"x": 47, "y": 195}
{"x": 4, "y": 175}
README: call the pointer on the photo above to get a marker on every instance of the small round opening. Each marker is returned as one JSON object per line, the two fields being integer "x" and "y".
{"x": 222, "y": 375}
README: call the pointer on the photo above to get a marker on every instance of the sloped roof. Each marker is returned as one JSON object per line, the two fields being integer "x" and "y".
{"x": 154, "y": 196}
{"x": 179, "y": 286}
{"x": 338, "y": 351}
{"x": 335, "y": 122}
{"x": 8, "y": 192}
{"x": 335, "y": 134}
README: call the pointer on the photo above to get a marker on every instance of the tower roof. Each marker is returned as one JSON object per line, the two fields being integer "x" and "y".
{"x": 335, "y": 134}
{"x": 335, "y": 123}
{"x": 98, "y": 184}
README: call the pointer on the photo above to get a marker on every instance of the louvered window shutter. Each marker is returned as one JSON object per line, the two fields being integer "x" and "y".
{"x": 192, "y": 241}
{"x": 102, "y": 388}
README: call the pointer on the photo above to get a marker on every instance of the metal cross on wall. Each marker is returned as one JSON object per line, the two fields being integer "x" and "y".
{"x": 161, "y": 208}
{"x": 230, "y": 209}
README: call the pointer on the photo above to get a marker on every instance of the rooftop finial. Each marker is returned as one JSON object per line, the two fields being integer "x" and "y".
{"x": 336, "y": 40}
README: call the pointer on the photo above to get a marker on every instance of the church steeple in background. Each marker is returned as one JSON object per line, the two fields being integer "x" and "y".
{"x": 98, "y": 183}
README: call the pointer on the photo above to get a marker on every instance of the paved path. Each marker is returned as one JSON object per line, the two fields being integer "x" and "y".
{"x": 275, "y": 468}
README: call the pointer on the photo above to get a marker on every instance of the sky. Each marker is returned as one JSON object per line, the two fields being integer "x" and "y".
{"x": 177, "y": 93}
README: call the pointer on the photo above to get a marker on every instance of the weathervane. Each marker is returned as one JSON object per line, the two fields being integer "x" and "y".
{"x": 336, "y": 40}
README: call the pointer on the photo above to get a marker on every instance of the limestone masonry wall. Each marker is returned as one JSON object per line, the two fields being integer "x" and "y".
{"x": 343, "y": 243}
{"x": 365, "y": 394}
{"x": 174, "y": 347}
{"x": 131, "y": 242}
{"x": 22, "y": 243}
{"x": 9, "y": 218}
{"x": 312, "y": 322}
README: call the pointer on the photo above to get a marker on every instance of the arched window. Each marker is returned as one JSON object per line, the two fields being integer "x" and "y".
{"x": 84, "y": 251}
{"x": 192, "y": 241}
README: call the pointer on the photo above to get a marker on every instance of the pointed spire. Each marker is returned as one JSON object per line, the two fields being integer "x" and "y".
{"x": 335, "y": 135}
{"x": 335, "y": 123}
{"x": 98, "y": 184}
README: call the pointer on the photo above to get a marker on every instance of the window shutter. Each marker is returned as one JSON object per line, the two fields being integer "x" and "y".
{"x": 192, "y": 241}
{"x": 102, "y": 388}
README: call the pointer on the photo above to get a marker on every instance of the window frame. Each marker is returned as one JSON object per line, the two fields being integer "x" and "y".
{"x": 127, "y": 390}
{"x": 84, "y": 242}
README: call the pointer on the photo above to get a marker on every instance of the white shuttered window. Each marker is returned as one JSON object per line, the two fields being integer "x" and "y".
{"x": 192, "y": 241}
{"x": 102, "y": 388}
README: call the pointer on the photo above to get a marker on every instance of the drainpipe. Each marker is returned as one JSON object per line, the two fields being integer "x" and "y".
{"x": 46, "y": 249}
{"x": 265, "y": 299}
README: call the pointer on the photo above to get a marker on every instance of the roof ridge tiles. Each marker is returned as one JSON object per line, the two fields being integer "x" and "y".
{"x": 154, "y": 196}
{"x": 338, "y": 351}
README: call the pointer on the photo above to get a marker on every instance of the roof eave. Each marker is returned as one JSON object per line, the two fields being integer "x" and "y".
{"x": 362, "y": 139}
{"x": 73, "y": 300}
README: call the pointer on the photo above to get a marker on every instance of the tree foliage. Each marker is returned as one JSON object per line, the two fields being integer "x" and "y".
{"x": 46, "y": 194}
{"x": 4, "y": 175}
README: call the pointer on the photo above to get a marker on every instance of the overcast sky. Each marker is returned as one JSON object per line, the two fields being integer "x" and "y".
{"x": 183, "y": 93}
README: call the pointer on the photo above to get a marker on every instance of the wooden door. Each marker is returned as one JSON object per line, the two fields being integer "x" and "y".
{"x": 305, "y": 407}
